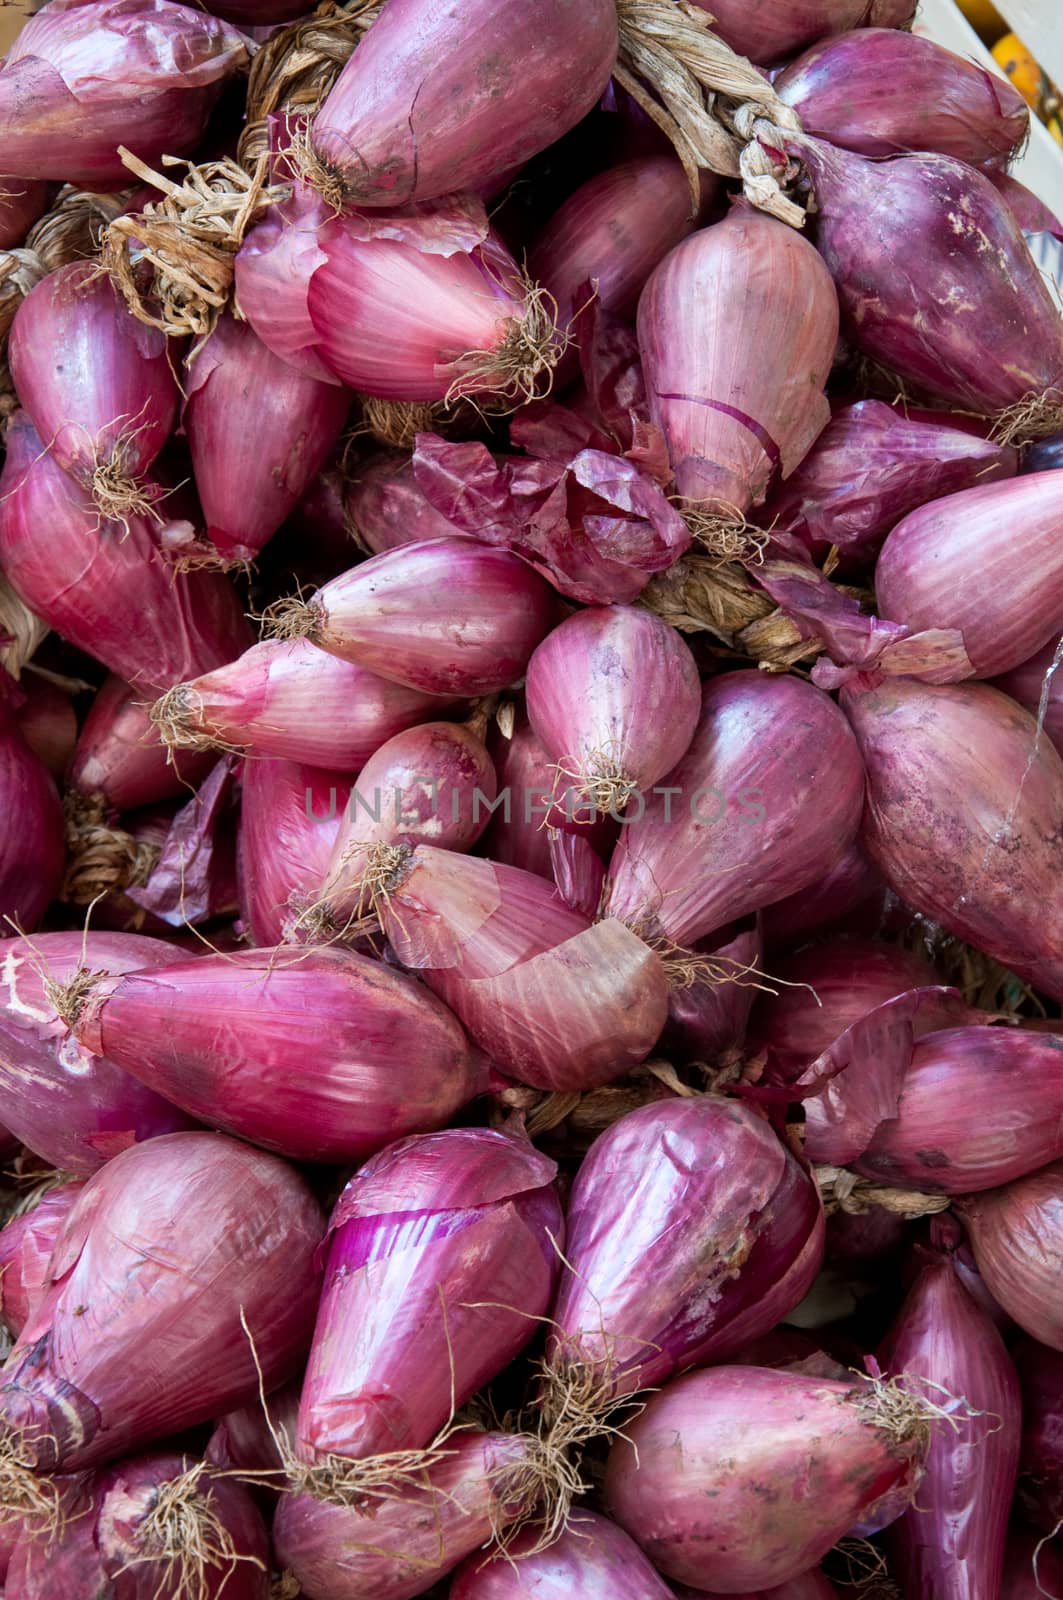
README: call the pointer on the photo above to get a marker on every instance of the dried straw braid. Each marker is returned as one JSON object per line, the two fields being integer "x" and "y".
{"x": 844, "y": 1191}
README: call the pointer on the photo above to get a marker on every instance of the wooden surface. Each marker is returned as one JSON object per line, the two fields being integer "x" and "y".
{"x": 1039, "y": 24}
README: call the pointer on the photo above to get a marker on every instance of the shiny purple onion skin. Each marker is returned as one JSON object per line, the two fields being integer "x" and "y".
{"x": 884, "y": 92}
{"x": 812, "y": 1585}
{"x": 121, "y": 758}
{"x": 290, "y": 816}
{"x": 385, "y": 508}
{"x": 26, "y": 1244}
{"x": 768, "y": 36}
{"x": 708, "y": 1020}
{"x": 690, "y": 1231}
{"x": 769, "y": 798}
{"x": 952, "y": 1546}
{"x": 849, "y": 898}
{"x": 962, "y": 817}
{"x": 973, "y": 323}
{"x": 1040, "y": 676}
{"x": 1039, "y": 1492}
{"x": 593, "y": 1559}
{"x": 951, "y": 565}
{"x": 186, "y": 1245}
{"x": 392, "y": 135}
{"x": 1016, "y": 1236}
{"x": 443, "y": 1254}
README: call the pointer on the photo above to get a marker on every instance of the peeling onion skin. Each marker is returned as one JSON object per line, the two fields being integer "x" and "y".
{"x": 951, "y": 771}
{"x": 1016, "y": 1234}
{"x": 26, "y": 1244}
{"x": 593, "y": 1559}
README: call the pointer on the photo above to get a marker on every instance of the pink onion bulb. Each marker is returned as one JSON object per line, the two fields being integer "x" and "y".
{"x": 593, "y": 1559}
{"x": 26, "y": 1244}
{"x": 386, "y": 508}
{"x": 776, "y": 32}
{"x": 1016, "y": 1233}
{"x": 1039, "y": 677}
{"x": 290, "y": 816}
{"x": 120, "y": 758}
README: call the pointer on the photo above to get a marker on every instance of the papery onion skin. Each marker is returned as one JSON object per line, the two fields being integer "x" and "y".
{"x": 824, "y": 989}
{"x": 386, "y": 508}
{"x": 690, "y": 1231}
{"x": 108, "y": 1547}
{"x": 883, "y": 92}
{"x": 871, "y": 466}
{"x": 973, "y": 322}
{"x": 106, "y": 587}
{"x": 730, "y": 426}
{"x": 287, "y": 699}
{"x": 1040, "y": 676}
{"x": 396, "y": 1546}
{"x": 962, "y": 814}
{"x": 593, "y": 1559}
{"x": 1030, "y": 212}
{"x": 752, "y": 1474}
{"x": 82, "y": 79}
{"x": 26, "y": 1244}
{"x": 391, "y": 135}
{"x": 594, "y": 690}
{"x": 258, "y": 432}
{"x": 198, "y": 1231}
{"x": 446, "y": 616}
{"x": 1016, "y": 1234}
{"x": 768, "y": 36}
{"x": 272, "y": 273}
{"x": 766, "y": 800}
{"x": 951, "y": 565}
{"x": 121, "y": 758}
{"x": 953, "y": 1545}
{"x": 1039, "y": 1492}
{"x": 393, "y": 1060}
{"x": 443, "y": 1254}
{"x": 96, "y": 383}
{"x": 290, "y": 816}
{"x": 708, "y": 1020}
{"x": 32, "y": 843}
{"x": 557, "y": 1002}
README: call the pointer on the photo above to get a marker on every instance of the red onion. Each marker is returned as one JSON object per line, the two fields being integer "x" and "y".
{"x": 21, "y": 203}
{"x": 809, "y": 1586}
{"x": 447, "y": 616}
{"x": 690, "y": 1231}
{"x": 1039, "y": 1492}
{"x": 516, "y": 836}
{"x": 850, "y": 894}
{"x": 611, "y": 233}
{"x": 443, "y": 1254}
{"x": 952, "y": 1543}
{"x": 963, "y": 808}
{"x": 272, "y": 273}
{"x": 593, "y": 1559}
{"x": 594, "y": 691}
{"x": 106, "y": 403}
{"x": 107, "y": 588}
{"x": 156, "y": 1527}
{"x": 288, "y": 699}
{"x": 1039, "y": 677}
{"x": 121, "y": 759}
{"x": 951, "y": 565}
{"x": 973, "y": 322}
{"x": 708, "y": 1020}
{"x": 48, "y": 722}
{"x": 247, "y": 1438}
{"x": 32, "y": 843}
{"x": 395, "y": 1546}
{"x": 258, "y": 432}
{"x": 388, "y": 135}
{"x": 386, "y": 508}
{"x": 731, "y": 425}
{"x": 262, "y": 14}
{"x": 1030, "y": 212}
{"x": 73, "y": 1108}
{"x": 559, "y": 1003}
{"x": 773, "y": 34}
{"x": 752, "y": 1474}
{"x": 1016, "y": 1234}
{"x": 26, "y": 1244}
{"x": 393, "y": 1061}
{"x": 1033, "y": 1567}
{"x": 194, "y": 1233}
{"x": 825, "y": 989}
{"x": 433, "y": 784}
{"x": 85, "y": 76}
{"x": 870, "y": 467}
{"x": 882, "y": 92}
{"x": 766, "y": 800}
{"x": 290, "y": 816}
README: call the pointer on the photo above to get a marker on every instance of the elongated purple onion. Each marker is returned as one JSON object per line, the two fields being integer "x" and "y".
{"x": 85, "y": 76}
{"x": 387, "y": 134}
{"x": 690, "y": 1231}
{"x": 962, "y": 817}
{"x": 516, "y": 835}
{"x": 32, "y": 844}
{"x": 951, "y": 565}
{"x": 849, "y": 896}
{"x": 120, "y": 757}
{"x": 290, "y": 816}
{"x": 1040, "y": 678}
{"x": 953, "y": 1544}
{"x": 1039, "y": 1492}
{"x": 104, "y": 399}
{"x": 882, "y": 92}
{"x": 765, "y": 801}
{"x": 776, "y": 32}
{"x": 594, "y": 691}
{"x": 71, "y": 1106}
{"x": 194, "y": 1232}
{"x": 1016, "y": 1233}
{"x": 593, "y": 1559}
{"x": 386, "y": 508}
{"x": 973, "y": 321}
{"x": 871, "y": 466}
{"x": 448, "y": 616}
{"x": 731, "y": 426}
{"x": 258, "y": 432}
{"x": 443, "y": 1254}
{"x": 26, "y": 1244}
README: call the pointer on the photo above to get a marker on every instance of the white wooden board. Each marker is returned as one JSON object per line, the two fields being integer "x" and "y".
{"x": 1039, "y": 24}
